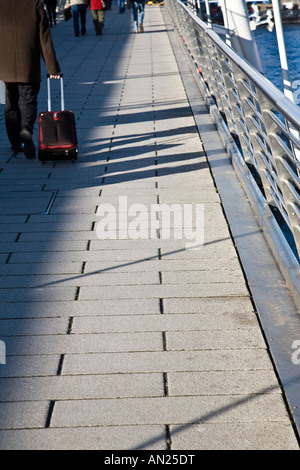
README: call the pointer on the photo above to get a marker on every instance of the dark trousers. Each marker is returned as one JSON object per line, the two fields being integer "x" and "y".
{"x": 51, "y": 11}
{"x": 98, "y": 20}
{"x": 20, "y": 109}
{"x": 79, "y": 18}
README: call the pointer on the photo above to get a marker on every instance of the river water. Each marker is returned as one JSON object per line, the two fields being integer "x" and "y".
{"x": 268, "y": 50}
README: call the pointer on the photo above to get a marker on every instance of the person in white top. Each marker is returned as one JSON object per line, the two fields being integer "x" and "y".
{"x": 79, "y": 15}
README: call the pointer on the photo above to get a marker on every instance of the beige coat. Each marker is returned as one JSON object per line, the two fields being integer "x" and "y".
{"x": 76, "y": 2}
{"x": 25, "y": 37}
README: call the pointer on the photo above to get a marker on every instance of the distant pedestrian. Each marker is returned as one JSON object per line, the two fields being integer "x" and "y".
{"x": 121, "y": 5}
{"x": 79, "y": 15}
{"x": 21, "y": 46}
{"x": 138, "y": 10}
{"x": 51, "y": 11}
{"x": 97, "y": 9}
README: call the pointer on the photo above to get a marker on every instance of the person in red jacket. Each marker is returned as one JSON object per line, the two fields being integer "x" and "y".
{"x": 97, "y": 9}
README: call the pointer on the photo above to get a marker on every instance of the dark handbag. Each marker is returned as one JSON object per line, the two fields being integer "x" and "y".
{"x": 67, "y": 14}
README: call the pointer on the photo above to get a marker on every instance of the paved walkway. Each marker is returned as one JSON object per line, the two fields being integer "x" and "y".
{"x": 127, "y": 343}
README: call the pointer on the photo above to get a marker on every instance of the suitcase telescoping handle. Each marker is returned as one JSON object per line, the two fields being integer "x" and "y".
{"x": 61, "y": 92}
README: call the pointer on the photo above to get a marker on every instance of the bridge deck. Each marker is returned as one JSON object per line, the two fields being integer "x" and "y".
{"x": 137, "y": 343}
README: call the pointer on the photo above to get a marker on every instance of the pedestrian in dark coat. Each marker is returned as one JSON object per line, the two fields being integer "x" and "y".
{"x": 51, "y": 11}
{"x": 25, "y": 36}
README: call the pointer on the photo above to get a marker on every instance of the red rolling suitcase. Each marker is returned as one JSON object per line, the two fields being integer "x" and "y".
{"x": 57, "y": 138}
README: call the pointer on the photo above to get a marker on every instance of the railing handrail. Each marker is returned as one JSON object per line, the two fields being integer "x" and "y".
{"x": 289, "y": 109}
{"x": 260, "y": 128}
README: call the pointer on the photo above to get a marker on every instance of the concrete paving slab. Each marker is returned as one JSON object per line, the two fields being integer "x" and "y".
{"x": 162, "y": 265}
{"x": 33, "y": 327}
{"x": 221, "y": 383}
{"x": 173, "y": 410}
{"x": 36, "y": 294}
{"x": 3, "y": 257}
{"x": 89, "y": 279}
{"x": 20, "y": 415}
{"x": 168, "y": 361}
{"x": 85, "y": 255}
{"x": 42, "y": 246}
{"x": 172, "y": 322}
{"x": 99, "y": 438}
{"x": 28, "y": 366}
{"x": 82, "y": 387}
{"x": 8, "y": 237}
{"x": 208, "y": 436}
{"x": 40, "y": 268}
{"x": 69, "y": 308}
{"x": 24, "y": 203}
{"x": 163, "y": 291}
{"x": 85, "y": 343}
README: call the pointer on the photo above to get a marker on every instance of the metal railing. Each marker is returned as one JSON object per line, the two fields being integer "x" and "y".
{"x": 263, "y": 125}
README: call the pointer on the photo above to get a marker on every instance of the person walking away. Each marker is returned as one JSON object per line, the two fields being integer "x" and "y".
{"x": 121, "y": 5}
{"x": 25, "y": 36}
{"x": 138, "y": 10}
{"x": 79, "y": 15}
{"x": 51, "y": 11}
{"x": 97, "y": 9}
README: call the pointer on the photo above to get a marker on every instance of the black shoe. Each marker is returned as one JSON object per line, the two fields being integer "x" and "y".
{"x": 16, "y": 148}
{"x": 29, "y": 148}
